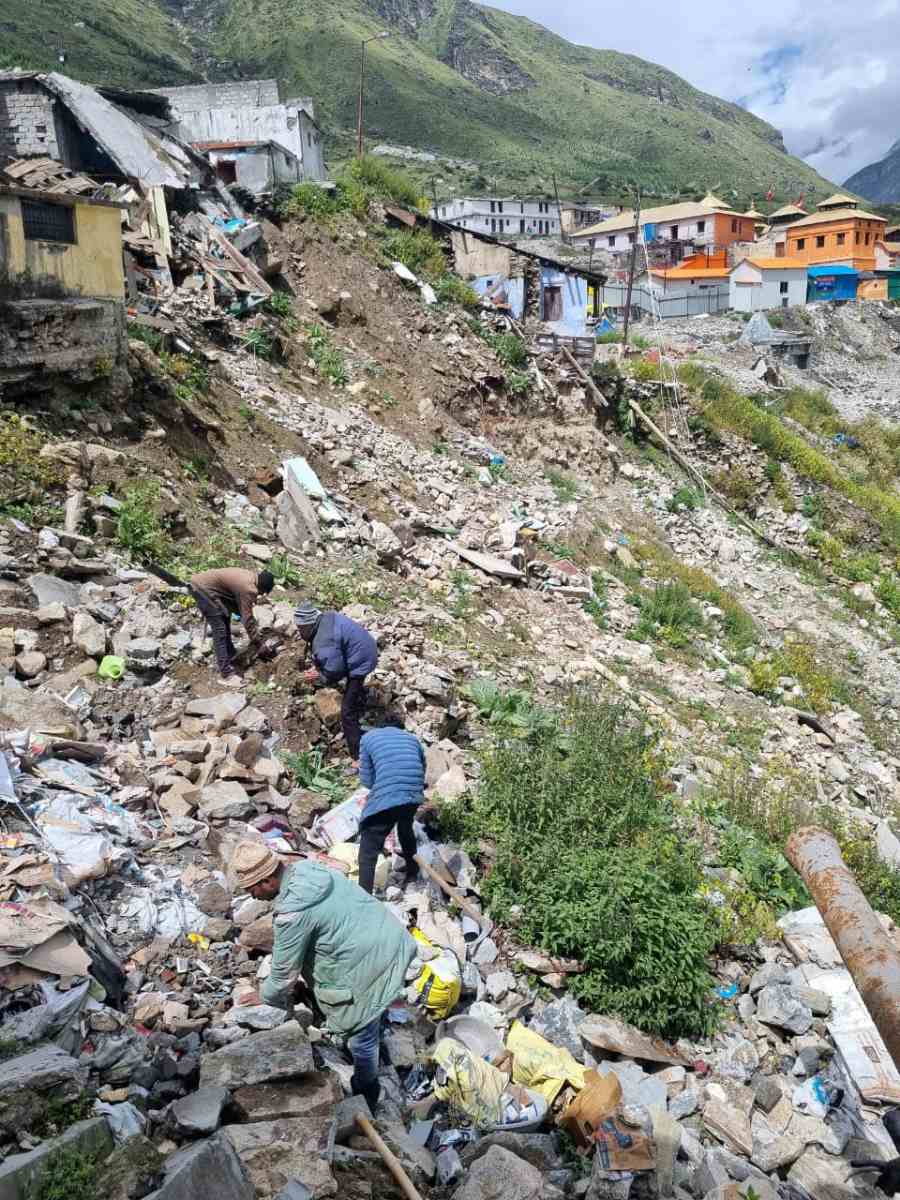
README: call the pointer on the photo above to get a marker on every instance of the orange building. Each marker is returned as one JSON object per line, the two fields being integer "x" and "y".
{"x": 842, "y": 234}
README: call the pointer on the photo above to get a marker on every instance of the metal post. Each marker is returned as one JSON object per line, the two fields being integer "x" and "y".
{"x": 359, "y": 107}
{"x": 864, "y": 946}
{"x": 634, "y": 248}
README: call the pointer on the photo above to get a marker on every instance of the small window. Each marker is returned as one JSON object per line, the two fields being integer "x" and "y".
{"x": 701, "y": 227}
{"x": 522, "y": 225}
{"x": 841, "y": 238}
{"x": 734, "y": 227}
{"x": 857, "y": 238}
{"x": 783, "y": 287}
{"x": 521, "y": 206}
{"x": 553, "y": 304}
{"x": 492, "y": 207}
{"x": 631, "y": 239}
{"x": 612, "y": 241}
{"x": 868, "y": 238}
{"x": 48, "y": 222}
{"x": 674, "y": 233}
{"x": 801, "y": 243}
{"x": 493, "y": 224}
{"x": 820, "y": 241}
{"x": 499, "y": 206}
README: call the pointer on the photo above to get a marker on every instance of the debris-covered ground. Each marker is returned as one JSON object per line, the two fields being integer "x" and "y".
{"x": 509, "y": 549}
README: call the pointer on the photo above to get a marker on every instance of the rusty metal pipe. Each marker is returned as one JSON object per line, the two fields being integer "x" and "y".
{"x": 864, "y": 946}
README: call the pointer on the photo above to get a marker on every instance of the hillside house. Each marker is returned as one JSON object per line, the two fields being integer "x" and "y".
{"x": 687, "y": 227}
{"x": 72, "y": 240}
{"x": 697, "y": 285}
{"x": 845, "y": 236}
{"x": 502, "y": 216}
{"x": 248, "y": 116}
{"x": 759, "y": 284}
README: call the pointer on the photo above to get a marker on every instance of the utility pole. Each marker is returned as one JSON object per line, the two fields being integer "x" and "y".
{"x": 362, "y": 75}
{"x": 634, "y": 249}
{"x": 434, "y": 195}
{"x": 562, "y": 233}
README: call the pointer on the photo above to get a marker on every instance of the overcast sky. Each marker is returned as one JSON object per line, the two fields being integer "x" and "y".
{"x": 821, "y": 73}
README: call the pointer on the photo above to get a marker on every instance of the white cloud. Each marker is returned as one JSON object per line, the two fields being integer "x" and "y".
{"x": 820, "y": 73}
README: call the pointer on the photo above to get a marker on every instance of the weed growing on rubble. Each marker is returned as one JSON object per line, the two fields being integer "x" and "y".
{"x": 329, "y": 361}
{"x": 286, "y": 574}
{"x": 450, "y": 289}
{"x": 309, "y": 771}
{"x": 667, "y": 614}
{"x": 25, "y": 477}
{"x": 143, "y": 333}
{"x": 140, "y": 528}
{"x": 587, "y": 850}
{"x": 258, "y": 342}
{"x": 517, "y": 383}
{"x": 308, "y": 199}
{"x": 684, "y": 499}
{"x": 70, "y": 1174}
{"x": 280, "y": 304}
{"x": 799, "y": 660}
{"x": 888, "y": 592}
{"x": 417, "y": 250}
{"x": 564, "y": 485}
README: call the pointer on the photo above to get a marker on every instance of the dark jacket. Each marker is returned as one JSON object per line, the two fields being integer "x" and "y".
{"x": 342, "y": 649}
{"x": 392, "y": 767}
{"x": 350, "y": 948}
{"x": 232, "y": 589}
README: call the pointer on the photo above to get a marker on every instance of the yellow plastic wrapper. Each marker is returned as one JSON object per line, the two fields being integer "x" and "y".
{"x": 469, "y": 1083}
{"x": 440, "y": 984}
{"x": 540, "y": 1065}
{"x": 348, "y": 854}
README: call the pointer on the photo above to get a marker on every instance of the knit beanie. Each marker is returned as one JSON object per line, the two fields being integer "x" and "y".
{"x": 306, "y": 614}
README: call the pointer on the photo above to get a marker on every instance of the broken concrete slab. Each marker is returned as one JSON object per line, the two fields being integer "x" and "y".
{"x": 199, "y": 1113}
{"x": 48, "y": 589}
{"x": 275, "y": 1152}
{"x": 282, "y": 1053}
{"x": 491, "y": 564}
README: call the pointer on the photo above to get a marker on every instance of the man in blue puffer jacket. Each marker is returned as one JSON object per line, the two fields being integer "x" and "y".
{"x": 392, "y": 767}
{"x": 341, "y": 649}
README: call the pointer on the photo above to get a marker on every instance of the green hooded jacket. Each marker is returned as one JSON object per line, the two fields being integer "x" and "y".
{"x": 351, "y": 950}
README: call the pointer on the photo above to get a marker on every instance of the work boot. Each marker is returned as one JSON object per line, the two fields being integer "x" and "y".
{"x": 410, "y": 872}
{"x": 371, "y": 1093}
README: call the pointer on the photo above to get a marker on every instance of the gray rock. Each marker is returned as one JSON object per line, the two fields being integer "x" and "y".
{"x": 28, "y": 1080}
{"x": 21, "y": 708}
{"x": 685, "y": 1104}
{"x": 88, "y": 635}
{"x": 746, "y": 1007}
{"x": 822, "y": 1176}
{"x": 818, "y": 1002}
{"x": 132, "y": 1170}
{"x": 47, "y": 589}
{"x": 487, "y": 953}
{"x": 282, "y": 1053}
{"x": 30, "y": 663}
{"x": 345, "y": 1116}
{"x": 779, "y": 1005}
{"x": 807, "y": 1062}
{"x": 209, "y": 706}
{"x": 275, "y": 1152}
{"x": 767, "y": 973}
{"x": 225, "y": 800}
{"x": 143, "y": 652}
{"x": 208, "y": 1168}
{"x": 637, "y": 1086}
{"x": 500, "y": 1175}
{"x": 313, "y": 1096}
{"x": 295, "y": 1190}
{"x": 401, "y": 1048}
{"x": 498, "y": 983}
{"x": 739, "y": 1060}
{"x": 539, "y": 1149}
{"x": 767, "y": 1093}
{"x": 710, "y": 1173}
{"x": 200, "y": 1113}
{"x": 256, "y": 1016}
{"x": 20, "y": 1174}
{"x": 559, "y": 1023}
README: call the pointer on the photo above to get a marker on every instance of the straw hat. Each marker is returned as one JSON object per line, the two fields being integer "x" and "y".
{"x": 252, "y": 862}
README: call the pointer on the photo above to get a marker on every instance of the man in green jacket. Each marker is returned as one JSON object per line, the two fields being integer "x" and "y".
{"x": 351, "y": 951}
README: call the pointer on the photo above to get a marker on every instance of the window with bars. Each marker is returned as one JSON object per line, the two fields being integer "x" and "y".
{"x": 48, "y": 222}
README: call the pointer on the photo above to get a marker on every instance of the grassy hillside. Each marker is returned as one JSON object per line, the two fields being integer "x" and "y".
{"x": 122, "y": 42}
{"x": 462, "y": 80}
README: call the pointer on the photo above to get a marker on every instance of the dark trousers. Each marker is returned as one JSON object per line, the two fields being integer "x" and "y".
{"x": 372, "y": 834}
{"x": 220, "y": 631}
{"x": 352, "y": 707}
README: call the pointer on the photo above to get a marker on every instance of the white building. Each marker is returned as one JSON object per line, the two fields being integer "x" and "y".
{"x": 760, "y": 284}
{"x": 501, "y": 216}
{"x": 248, "y": 112}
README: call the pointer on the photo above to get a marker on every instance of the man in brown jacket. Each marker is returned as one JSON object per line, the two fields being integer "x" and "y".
{"x": 219, "y": 595}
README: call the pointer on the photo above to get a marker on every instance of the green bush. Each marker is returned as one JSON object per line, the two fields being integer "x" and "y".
{"x": 418, "y": 250}
{"x": 258, "y": 342}
{"x": 586, "y": 848}
{"x": 69, "y": 1174}
{"x": 517, "y": 383}
{"x": 308, "y": 770}
{"x": 329, "y": 360}
{"x": 450, "y": 289}
{"x": 280, "y": 304}
{"x": 382, "y": 182}
{"x": 685, "y": 498}
{"x": 668, "y": 614}
{"x": 564, "y": 485}
{"x": 140, "y": 529}
{"x": 510, "y": 349}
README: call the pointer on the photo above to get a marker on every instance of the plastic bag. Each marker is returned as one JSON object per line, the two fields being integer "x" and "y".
{"x": 468, "y": 1083}
{"x": 440, "y": 984}
{"x": 539, "y": 1064}
{"x": 348, "y": 854}
{"x": 339, "y": 824}
{"x": 111, "y": 667}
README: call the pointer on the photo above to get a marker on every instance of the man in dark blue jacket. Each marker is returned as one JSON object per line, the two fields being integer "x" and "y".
{"x": 392, "y": 767}
{"x": 341, "y": 649}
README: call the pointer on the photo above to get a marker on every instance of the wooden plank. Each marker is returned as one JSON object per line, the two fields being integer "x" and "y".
{"x": 246, "y": 267}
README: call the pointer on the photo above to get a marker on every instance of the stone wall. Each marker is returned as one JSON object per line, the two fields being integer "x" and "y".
{"x": 74, "y": 344}
{"x": 239, "y": 93}
{"x": 27, "y": 122}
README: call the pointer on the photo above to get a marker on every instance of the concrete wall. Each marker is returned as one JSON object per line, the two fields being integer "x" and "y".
{"x": 473, "y": 259}
{"x": 573, "y": 322}
{"x": 259, "y": 168}
{"x": 753, "y": 289}
{"x": 27, "y": 120}
{"x": 92, "y": 266}
{"x": 77, "y": 342}
{"x": 518, "y": 217}
{"x": 246, "y": 93}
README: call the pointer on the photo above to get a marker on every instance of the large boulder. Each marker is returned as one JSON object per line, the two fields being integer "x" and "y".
{"x": 275, "y": 1152}
{"x": 47, "y": 589}
{"x": 313, "y": 1096}
{"x": 500, "y": 1175}
{"x": 199, "y": 1113}
{"x": 21, "y": 708}
{"x": 282, "y": 1053}
{"x": 27, "y": 1082}
{"x": 209, "y": 1168}
{"x": 133, "y": 1169}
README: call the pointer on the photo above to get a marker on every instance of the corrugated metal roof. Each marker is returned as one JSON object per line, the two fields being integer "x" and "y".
{"x": 655, "y": 216}
{"x": 693, "y": 273}
{"x": 831, "y": 269}
{"x": 839, "y": 214}
{"x": 775, "y": 264}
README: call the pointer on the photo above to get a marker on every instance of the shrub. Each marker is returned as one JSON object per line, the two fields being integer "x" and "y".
{"x": 308, "y": 199}
{"x": 668, "y": 613}
{"x": 418, "y": 250}
{"x": 450, "y": 289}
{"x": 586, "y": 848}
{"x": 69, "y": 1174}
{"x": 564, "y": 485}
{"x": 259, "y": 342}
{"x": 381, "y": 182}
{"x": 888, "y": 592}
{"x": 308, "y": 770}
{"x": 280, "y": 304}
{"x": 143, "y": 333}
{"x": 140, "y": 529}
{"x": 517, "y": 383}
{"x": 329, "y": 360}
{"x": 685, "y": 498}
{"x": 510, "y": 349}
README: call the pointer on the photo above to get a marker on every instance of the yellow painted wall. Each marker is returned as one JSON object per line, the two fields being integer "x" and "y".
{"x": 872, "y": 289}
{"x": 93, "y": 266}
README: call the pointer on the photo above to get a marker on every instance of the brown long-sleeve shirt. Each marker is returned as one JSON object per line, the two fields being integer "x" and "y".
{"x": 233, "y": 588}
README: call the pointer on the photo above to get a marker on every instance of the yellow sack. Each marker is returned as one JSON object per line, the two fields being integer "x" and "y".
{"x": 540, "y": 1065}
{"x": 440, "y": 984}
{"x": 348, "y": 854}
{"x": 468, "y": 1082}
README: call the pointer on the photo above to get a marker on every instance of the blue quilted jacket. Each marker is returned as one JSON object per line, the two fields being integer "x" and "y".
{"x": 342, "y": 649}
{"x": 392, "y": 767}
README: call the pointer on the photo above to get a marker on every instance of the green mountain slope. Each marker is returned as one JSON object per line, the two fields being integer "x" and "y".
{"x": 128, "y": 43}
{"x": 880, "y": 181}
{"x": 459, "y": 79}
